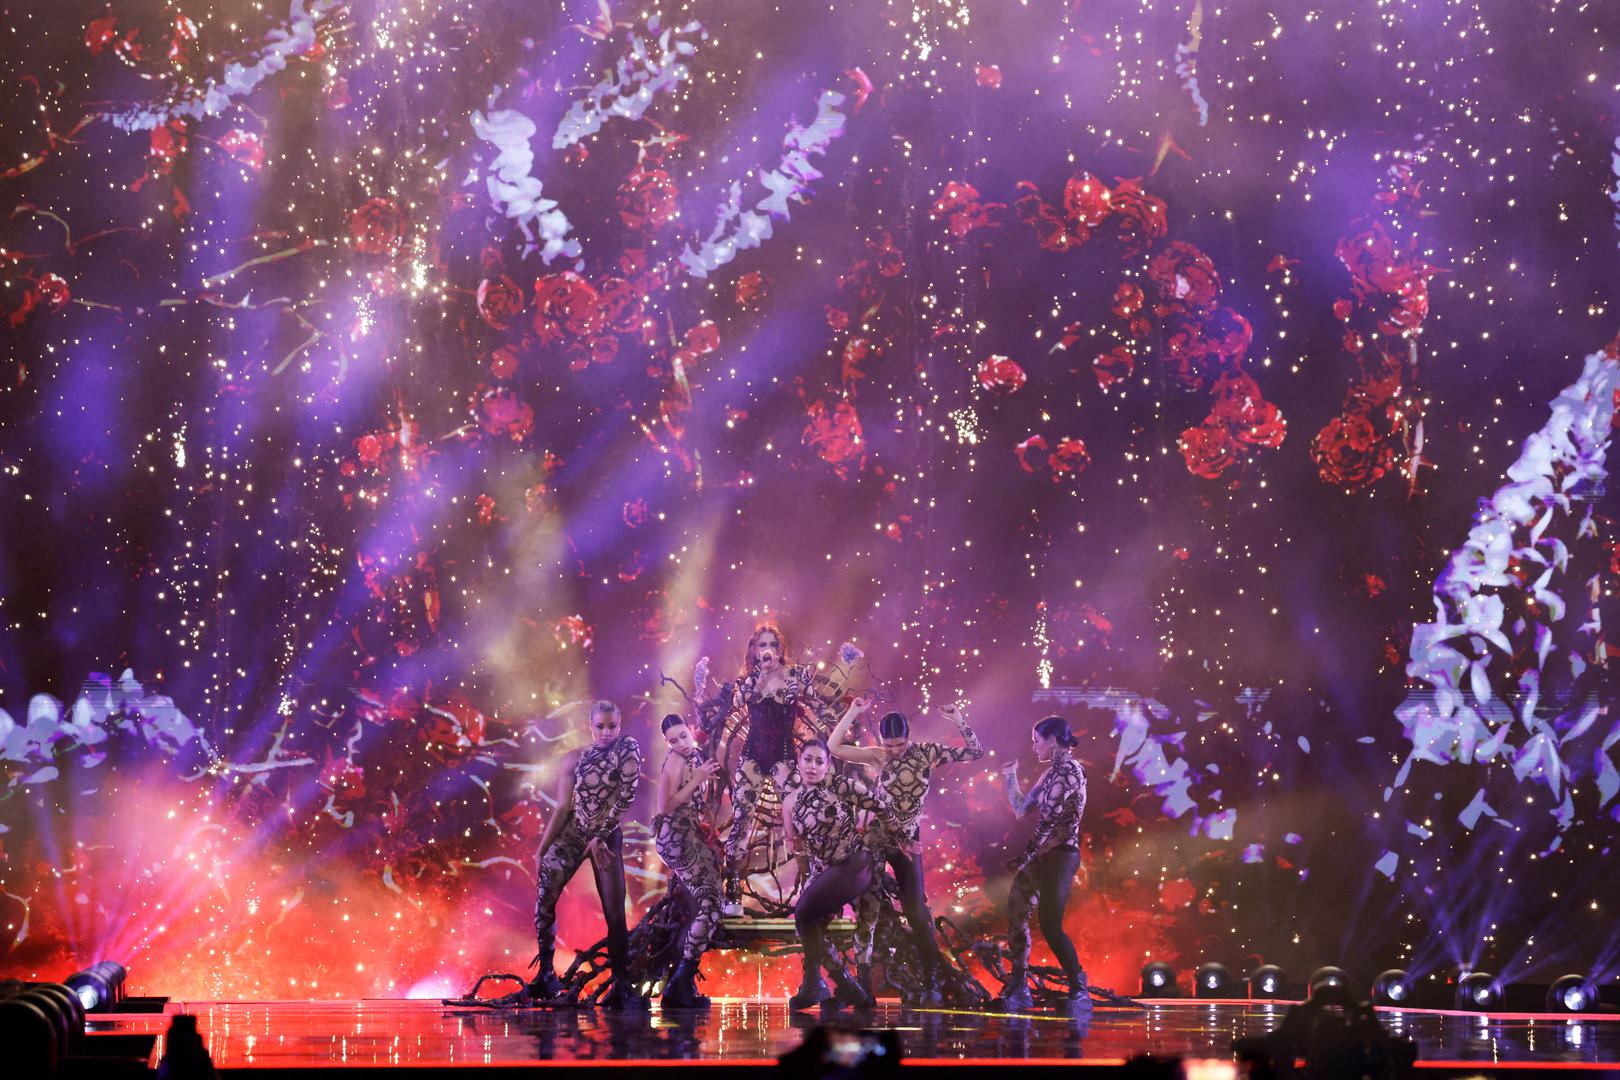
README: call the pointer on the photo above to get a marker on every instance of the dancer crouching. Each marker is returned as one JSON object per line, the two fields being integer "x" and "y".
{"x": 819, "y": 819}
{"x": 596, "y": 789}
{"x": 1045, "y": 871}
{"x": 682, "y": 838}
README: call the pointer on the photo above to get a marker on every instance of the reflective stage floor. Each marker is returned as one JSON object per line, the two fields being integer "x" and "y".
{"x": 425, "y": 1035}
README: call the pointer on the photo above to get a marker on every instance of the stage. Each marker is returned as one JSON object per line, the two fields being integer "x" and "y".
{"x": 290, "y": 1037}
{"x": 1161, "y": 451}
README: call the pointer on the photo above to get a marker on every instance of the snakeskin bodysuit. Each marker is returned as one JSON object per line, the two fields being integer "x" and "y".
{"x": 904, "y": 783}
{"x": 1060, "y": 798}
{"x": 901, "y": 788}
{"x": 824, "y": 818}
{"x": 1048, "y": 865}
{"x": 682, "y": 839}
{"x": 605, "y": 782}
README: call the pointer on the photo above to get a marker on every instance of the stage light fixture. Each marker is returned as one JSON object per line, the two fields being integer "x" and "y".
{"x": 31, "y": 1035}
{"x": 63, "y": 1006}
{"x": 1393, "y": 987}
{"x": 99, "y": 986}
{"x": 1571, "y": 994}
{"x": 1478, "y": 991}
{"x": 1324, "y": 977}
{"x": 1212, "y": 981}
{"x": 1159, "y": 980}
{"x": 1267, "y": 981}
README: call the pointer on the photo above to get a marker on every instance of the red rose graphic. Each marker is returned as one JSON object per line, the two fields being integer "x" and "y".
{"x": 622, "y": 304}
{"x": 1128, "y": 300}
{"x": 1208, "y": 449}
{"x": 565, "y": 303}
{"x": 836, "y": 435}
{"x": 1185, "y": 279}
{"x": 647, "y": 199}
{"x": 377, "y": 227}
{"x": 505, "y": 415}
{"x": 751, "y": 289}
{"x": 1141, "y": 217}
{"x": 1249, "y": 417}
{"x": 1349, "y": 453}
{"x": 53, "y": 292}
{"x": 1086, "y": 199}
{"x": 959, "y": 205}
{"x": 499, "y": 301}
{"x": 1052, "y": 232}
{"x": 1001, "y": 375}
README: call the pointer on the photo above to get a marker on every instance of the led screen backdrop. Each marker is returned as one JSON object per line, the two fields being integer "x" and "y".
{"x": 385, "y": 381}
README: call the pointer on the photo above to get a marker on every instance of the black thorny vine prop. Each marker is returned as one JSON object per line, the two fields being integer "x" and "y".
{"x": 655, "y": 948}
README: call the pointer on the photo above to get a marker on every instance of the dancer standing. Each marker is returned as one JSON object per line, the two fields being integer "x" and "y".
{"x": 775, "y": 694}
{"x": 820, "y": 819}
{"x": 597, "y": 787}
{"x": 682, "y": 838}
{"x": 1044, "y": 873}
{"x": 895, "y": 836}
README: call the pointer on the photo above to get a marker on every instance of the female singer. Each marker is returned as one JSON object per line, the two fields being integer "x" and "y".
{"x": 1044, "y": 873}
{"x": 775, "y": 694}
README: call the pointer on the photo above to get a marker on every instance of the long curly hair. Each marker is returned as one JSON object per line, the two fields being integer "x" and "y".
{"x": 750, "y": 664}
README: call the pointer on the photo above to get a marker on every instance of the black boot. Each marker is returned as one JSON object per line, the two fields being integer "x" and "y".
{"x": 863, "y": 976}
{"x": 812, "y": 988}
{"x": 1015, "y": 996}
{"x": 850, "y": 992}
{"x": 1079, "y": 994}
{"x": 622, "y": 995}
{"x": 680, "y": 992}
{"x": 545, "y": 986}
{"x": 928, "y": 995}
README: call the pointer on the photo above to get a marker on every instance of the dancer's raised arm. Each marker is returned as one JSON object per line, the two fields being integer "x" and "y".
{"x": 837, "y": 741}
{"x": 971, "y": 749}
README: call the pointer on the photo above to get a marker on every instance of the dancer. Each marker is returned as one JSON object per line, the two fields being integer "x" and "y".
{"x": 774, "y": 694}
{"x": 820, "y": 819}
{"x": 1044, "y": 873}
{"x": 895, "y": 836}
{"x": 597, "y": 787}
{"x": 682, "y": 838}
